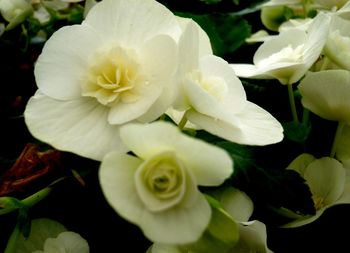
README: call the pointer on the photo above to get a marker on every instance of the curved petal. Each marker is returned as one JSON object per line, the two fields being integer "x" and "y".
{"x": 343, "y": 147}
{"x": 63, "y": 62}
{"x": 209, "y": 164}
{"x": 300, "y": 163}
{"x": 236, "y": 203}
{"x": 178, "y": 225}
{"x": 164, "y": 248}
{"x": 116, "y": 176}
{"x": 326, "y": 93}
{"x": 253, "y": 126}
{"x": 79, "y": 126}
{"x": 305, "y": 220}
{"x": 132, "y": 22}
{"x": 326, "y": 179}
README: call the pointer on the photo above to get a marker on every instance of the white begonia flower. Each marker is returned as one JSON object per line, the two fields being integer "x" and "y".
{"x": 288, "y": 56}
{"x": 15, "y": 12}
{"x": 66, "y": 242}
{"x": 329, "y": 183}
{"x": 116, "y": 67}
{"x": 326, "y": 93}
{"x": 337, "y": 48}
{"x": 330, "y": 4}
{"x": 157, "y": 190}
{"x": 214, "y": 99}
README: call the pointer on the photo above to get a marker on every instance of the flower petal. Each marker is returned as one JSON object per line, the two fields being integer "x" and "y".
{"x": 116, "y": 177}
{"x": 79, "y": 126}
{"x": 253, "y": 126}
{"x": 209, "y": 164}
{"x": 326, "y": 179}
{"x": 326, "y": 93}
{"x": 343, "y": 147}
{"x": 300, "y": 163}
{"x": 132, "y": 22}
{"x": 64, "y": 61}
{"x": 73, "y": 242}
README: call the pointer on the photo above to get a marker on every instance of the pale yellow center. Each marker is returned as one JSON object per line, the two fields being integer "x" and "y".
{"x": 114, "y": 76}
{"x": 318, "y": 202}
{"x": 213, "y": 85}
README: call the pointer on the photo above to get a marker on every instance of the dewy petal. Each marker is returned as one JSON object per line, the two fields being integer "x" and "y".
{"x": 132, "y": 22}
{"x": 116, "y": 176}
{"x": 158, "y": 60}
{"x": 79, "y": 126}
{"x": 326, "y": 179}
{"x": 73, "y": 242}
{"x": 326, "y": 93}
{"x": 253, "y": 126}
{"x": 64, "y": 61}
{"x": 210, "y": 165}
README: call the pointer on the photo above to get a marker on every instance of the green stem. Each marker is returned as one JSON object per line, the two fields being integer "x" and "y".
{"x": 11, "y": 243}
{"x": 337, "y": 137}
{"x": 29, "y": 201}
{"x": 306, "y": 116}
{"x": 292, "y": 103}
{"x": 182, "y": 122}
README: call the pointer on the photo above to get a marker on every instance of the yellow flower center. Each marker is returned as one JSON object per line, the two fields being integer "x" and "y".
{"x": 113, "y": 77}
{"x": 213, "y": 85}
{"x": 318, "y": 202}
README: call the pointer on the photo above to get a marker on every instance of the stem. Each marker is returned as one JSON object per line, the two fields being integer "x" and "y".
{"x": 29, "y": 201}
{"x": 337, "y": 137}
{"x": 292, "y": 103}
{"x": 182, "y": 122}
{"x": 11, "y": 243}
{"x": 306, "y": 116}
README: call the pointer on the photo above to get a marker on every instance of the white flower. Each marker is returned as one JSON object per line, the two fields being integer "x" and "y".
{"x": 65, "y": 242}
{"x": 15, "y": 11}
{"x": 214, "y": 98}
{"x": 116, "y": 67}
{"x": 337, "y": 48}
{"x": 50, "y": 236}
{"x": 326, "y": 93}
{"x": 157, "y": 190}
{"x": 288, "y": 56}
{"x": 329, "y": 183}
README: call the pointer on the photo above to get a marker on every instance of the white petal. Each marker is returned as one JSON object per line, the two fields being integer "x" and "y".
{"x": 326, "y": 93}
{"x": 178, "y": 225}
{"x": 345, "y": 197}
{"x": 63, "y": 62}
{"x": 209, "y": 164}
{"x": 73, "y": 242}
{"x": 253, "y": 238}
{"x": 326, "y": 179}
{"x": 79, "y": 126}
{"x": 343, "y": 147}
{"x": 253, "y": 126}
{"x": 116, "y": 177}
{"x": 164, "y": 248}
{"x": 305, "y": 220}
{"x": 249, "y": 70}
{"x": 132, "y": 22}
{"x": 236, "y": 203}
{"x": 300, "y": 163}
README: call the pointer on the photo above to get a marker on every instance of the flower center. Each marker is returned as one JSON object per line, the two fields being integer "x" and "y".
{"x": 213, "y": 85}
{"x": 318, "y": 202}
{"x": 160, "y": 181}
{"x": 286, "y": 55}
{"x": 113, "y": 77}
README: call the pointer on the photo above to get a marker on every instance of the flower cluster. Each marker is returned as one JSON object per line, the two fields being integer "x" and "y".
{"x": 133, "y": 86}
